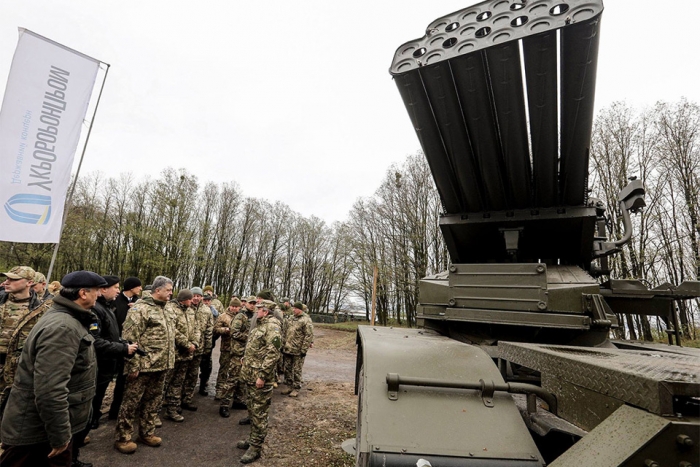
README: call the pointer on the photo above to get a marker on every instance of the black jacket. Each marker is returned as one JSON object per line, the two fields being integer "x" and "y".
{"x": 108, "y": 344}
{"x": 121, "y": 304}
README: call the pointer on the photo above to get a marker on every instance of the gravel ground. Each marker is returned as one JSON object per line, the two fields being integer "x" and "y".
{"x": 304, "y": 431}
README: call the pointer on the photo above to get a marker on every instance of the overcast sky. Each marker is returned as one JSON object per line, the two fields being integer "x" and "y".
{"x": 298, "y": 93}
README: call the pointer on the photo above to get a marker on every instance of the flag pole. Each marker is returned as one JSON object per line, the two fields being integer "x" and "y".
{"x": 77, "y": 172}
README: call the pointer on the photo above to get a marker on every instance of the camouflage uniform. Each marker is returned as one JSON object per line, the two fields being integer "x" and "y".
{"x": 222, "y": 328}
{"x": 233, "y": 388}
{"x": 286, "y": 311}
{"x": 261, "y": 355}
{"x": 17, "y": 318}
{"x": 216, "y": 303}
{"x": 205, "y": 326}
{"x": 149, "y": 325}
{"x": 299, "y": 335}
{"x": 186, "y": 334}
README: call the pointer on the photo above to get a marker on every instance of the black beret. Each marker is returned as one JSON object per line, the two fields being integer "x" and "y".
{"x": 82, "y": 280}
{"x": 131, "y": 283}
{"x": 111, "y": 280}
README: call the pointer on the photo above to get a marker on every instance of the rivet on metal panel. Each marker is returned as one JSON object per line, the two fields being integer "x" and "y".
{"x": 452, "y": 302}
{"x": 542, "y": 305}
{"x": 471, "y": 454}
{"x": 453, "y": 268}
{"x": 376, "y": 448}
{"x": 540, "y": 269}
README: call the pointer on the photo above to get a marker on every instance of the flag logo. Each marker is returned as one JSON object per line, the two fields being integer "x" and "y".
{"x": 37, "y": 208}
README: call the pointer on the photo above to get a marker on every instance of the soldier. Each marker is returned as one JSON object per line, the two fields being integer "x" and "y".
{"x": 222, "y": 328}
{"x": 151, "y": 328}
{"x": 40, "y": 287}
{"x": 298, "y": 339}
{"x": 20, "y": 309}
{"x": 286, "y": 310}
{"x": 187, "y": 338}
{"x": 205, "y": 325}
{"x": 258, "y": 372}
{"x": 215, "y": 302}
{"x": 232, "y": 390}
{"x": 55, "y": 381}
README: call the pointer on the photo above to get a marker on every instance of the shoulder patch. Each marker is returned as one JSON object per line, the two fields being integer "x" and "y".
{"x": 277, "y": 342}
{"x": 94, "y": 327}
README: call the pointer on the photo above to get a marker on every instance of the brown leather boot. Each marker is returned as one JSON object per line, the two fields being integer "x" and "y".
{"x": 287, "y": 391}
{"x": 125, "y": 447}
{"x": 251, "y": 455}
{"x": 152, "y": 440}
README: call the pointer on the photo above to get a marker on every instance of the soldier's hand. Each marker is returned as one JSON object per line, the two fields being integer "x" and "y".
{"x": 131, "y": 348}
{"x": 192, "y": 348}
{"x": 259, "y": 383}
{"x": 133, "y": 376}
{"x": 56, "y": 451}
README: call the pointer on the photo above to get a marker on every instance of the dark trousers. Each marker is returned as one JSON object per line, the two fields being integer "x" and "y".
{"x": 118, "y": 392}
{"x": 78, "y": 441}
{"x": 100, "y": 391}
{"x": 205, "y": 368}
{"x": 35, "y": 455}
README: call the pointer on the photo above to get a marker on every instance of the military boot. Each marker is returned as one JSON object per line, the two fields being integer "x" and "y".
{"x": 243, "y": 444}
{"x": 189, "y": 406}
{"x": 244, "y": 421}
{"x": 223, "y": 411}
{"x": 151, "y": 440}
{"x": 158, "y": 422}
{"x": 251, "y": 455}
{"x": 125, "y": 447}
{"x": 294, "y": 393}
{"x": 172, "y": 414}
{"x": 287, "y": 391}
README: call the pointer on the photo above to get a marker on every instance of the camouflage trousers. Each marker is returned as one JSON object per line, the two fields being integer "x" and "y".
{"x": 292, "y": 370}
{"x": 222, "y": 376}
{"x": 258, "y": 411}
{"x": 176, "y": 385}
{"x": 233, "y": 390}
{"x": 143, "y": 398}
{"x": 280, "y": 367}
{"x": 191, "y": 378}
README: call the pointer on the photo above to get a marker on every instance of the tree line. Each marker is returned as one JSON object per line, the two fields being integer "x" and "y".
{"x": 200, "y": 234}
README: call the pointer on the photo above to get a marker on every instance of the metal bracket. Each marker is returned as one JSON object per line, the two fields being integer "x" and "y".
{"x": 392, "y": 380}
{"x": 487, "y": 391}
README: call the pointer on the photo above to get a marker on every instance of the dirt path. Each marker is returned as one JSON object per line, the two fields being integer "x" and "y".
{"x": 306, "y": 431}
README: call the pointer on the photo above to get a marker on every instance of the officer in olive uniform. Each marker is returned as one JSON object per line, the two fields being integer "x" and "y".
{"x": 298, "y": 339}
{"x": 148, "y": 325}
{"x": 233, "y": 389}
{"x": 20, "y": 309}
{"x": 261, "y": 354}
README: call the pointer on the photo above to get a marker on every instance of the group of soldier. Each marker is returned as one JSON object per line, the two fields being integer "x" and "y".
{"x": 155, "y": 345}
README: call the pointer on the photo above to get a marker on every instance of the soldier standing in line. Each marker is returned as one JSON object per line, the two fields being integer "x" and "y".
{"x": 215, "y": 302}
{"x": 205, "y": 325}
{"x": 20, "y": 309}
{"x": 151, "y": 328}
{"x": 187, "y": 338}
{"x": 286, "y": 310}
{"x": 40, "y": 287}
{"x": 258, "y": 372}
{"x": 222, "y": 328}
{"x": 298, "y": 339}
{"x": 232, "y": 389}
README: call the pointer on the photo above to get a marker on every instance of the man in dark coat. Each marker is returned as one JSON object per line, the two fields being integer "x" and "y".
{"x": 122, "y": 304}
{"x": 53, "y": 388}
{"x": 110, "y": 348}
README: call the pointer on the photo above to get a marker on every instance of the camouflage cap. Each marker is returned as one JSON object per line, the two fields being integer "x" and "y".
{"x": 268, "y": 304}
{"x": 39, "y": 278}
{"x": 251, "y": 299}
{"x": 285, "y": 299}
{"x": 20, "y": 272}
{"x": 207, "y": 296}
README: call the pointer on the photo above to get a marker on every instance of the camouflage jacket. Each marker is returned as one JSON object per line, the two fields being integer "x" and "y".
{"x": 205, "y": 325}
{"x": 186, "y": 329}
{"x": 216, "y": 303}
{"x": 149, "y": 325}
{"x": 11, "y": 313}
{"x": 299, "y": 335}
{"x": 222, "y": 328}
{"x": 239, "y": 333}
{"x": 262, "y": 352}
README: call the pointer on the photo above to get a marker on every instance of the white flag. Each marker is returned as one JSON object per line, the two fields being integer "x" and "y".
{"x": 45, "y": 102}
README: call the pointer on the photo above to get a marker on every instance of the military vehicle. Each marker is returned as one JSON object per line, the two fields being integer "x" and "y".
{"x": 512, "y": 362}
